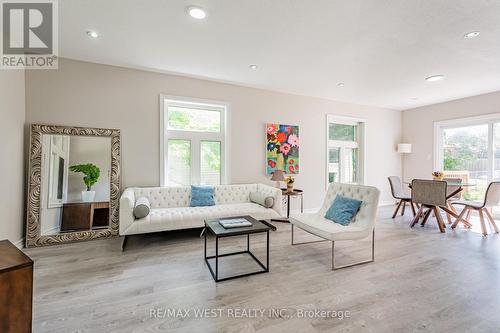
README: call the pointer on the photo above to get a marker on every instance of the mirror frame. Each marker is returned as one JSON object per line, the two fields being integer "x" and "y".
{"x": 33, "y": 227}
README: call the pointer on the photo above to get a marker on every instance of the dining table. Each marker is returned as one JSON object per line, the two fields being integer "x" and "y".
{"x": 448, "y": 209}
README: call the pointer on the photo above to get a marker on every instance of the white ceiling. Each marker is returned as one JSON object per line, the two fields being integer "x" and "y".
{"x": 382, "y": 50}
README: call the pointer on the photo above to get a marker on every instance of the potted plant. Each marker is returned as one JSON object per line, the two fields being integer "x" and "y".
{"x": 289, "y": 183}
{"x": 91, "y": 176}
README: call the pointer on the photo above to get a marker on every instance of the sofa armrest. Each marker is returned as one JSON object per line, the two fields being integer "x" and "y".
{"x": 127, "y": 202}
{"x": 275, "y": 193}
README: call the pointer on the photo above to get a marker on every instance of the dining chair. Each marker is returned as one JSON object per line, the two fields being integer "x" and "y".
{"x": 431, "y": 195}
{"x": 399, "y": 193}
{"x": 491, "y": 199}
{"x": 450, "y": 189}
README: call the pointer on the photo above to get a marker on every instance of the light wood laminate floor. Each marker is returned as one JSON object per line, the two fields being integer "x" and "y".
{"x": 421, "y": 281}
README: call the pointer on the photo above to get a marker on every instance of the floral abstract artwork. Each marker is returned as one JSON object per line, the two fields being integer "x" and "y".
{"x": 282, "y": 148}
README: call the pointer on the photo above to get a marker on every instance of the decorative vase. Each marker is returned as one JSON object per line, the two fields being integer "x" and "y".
{"x": 289, "y": 187}
{"x": 88, "y": 196}
{"x": 280, "y": 162}
{"x": 438, "y": 178}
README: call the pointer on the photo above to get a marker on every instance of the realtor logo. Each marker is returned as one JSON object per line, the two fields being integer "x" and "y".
{"x": 29, "y": 34}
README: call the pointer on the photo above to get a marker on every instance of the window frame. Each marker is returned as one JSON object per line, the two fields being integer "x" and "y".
{"x": 194, "y": 136}
{"x": 360, "y": 144}
{"x": 440, "y": 126}
{"x": 438, "y": 144}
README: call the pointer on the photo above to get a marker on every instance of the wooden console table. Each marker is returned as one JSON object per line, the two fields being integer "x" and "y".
{"x": 78, "y": 216}
{"x": 16, "y": 289}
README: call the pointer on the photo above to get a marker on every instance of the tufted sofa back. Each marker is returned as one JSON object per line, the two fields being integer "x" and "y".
{"x": 368, "y": 194}
{"x": 180, "y": 196}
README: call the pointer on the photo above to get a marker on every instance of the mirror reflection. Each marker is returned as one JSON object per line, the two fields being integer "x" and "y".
{"x": 75, "y": 183}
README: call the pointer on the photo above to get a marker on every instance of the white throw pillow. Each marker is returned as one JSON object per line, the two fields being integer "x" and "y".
{"x": 262, "y": 199}
{"x": 142, "y": 207}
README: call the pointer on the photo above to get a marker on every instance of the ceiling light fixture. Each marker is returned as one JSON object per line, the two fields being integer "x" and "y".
{"x": 253, "y": 66}
{"x": 92, "y": 34}
{"x": 434, "y": 78}
{"x": 472, "y": 34}
{"x": 341, "y": 84}
{"x": 197, "y": 12}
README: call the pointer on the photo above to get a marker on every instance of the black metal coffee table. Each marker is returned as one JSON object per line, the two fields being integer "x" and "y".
{"x": 219, "y": 231}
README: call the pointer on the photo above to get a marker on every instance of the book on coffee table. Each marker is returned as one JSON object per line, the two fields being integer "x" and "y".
{"x": 235, "y": 223}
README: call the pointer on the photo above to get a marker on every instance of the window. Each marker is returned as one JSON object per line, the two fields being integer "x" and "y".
{"x": 193, "y": 142}
{"x": 469, "y": 149}
{"x": 344, "y": 150}
{"x": 59, "y": 154}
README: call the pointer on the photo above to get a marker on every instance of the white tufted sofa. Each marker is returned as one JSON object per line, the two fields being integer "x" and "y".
{"x": 362, "y": 225}
{"x": 170, "y": 208}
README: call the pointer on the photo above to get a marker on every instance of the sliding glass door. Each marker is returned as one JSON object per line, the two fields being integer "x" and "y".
{"x": 469, "y": 150}
{"x": 465, "y": 156}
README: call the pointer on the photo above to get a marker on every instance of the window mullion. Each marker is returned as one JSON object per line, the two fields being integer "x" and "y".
{"x": 491, "y": 154}
{"x": 195, "y": 161}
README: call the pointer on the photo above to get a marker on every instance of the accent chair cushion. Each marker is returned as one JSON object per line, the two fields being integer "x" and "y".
{"x": 261, "y": 199}
{"x": 142, "y": 207}
{"x": 202, "y": 196}
{"x": 343, "y": 209}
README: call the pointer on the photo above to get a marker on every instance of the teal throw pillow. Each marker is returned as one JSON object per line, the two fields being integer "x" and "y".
{"x": 343, "y": 209}
{"x": 202, "y": 196}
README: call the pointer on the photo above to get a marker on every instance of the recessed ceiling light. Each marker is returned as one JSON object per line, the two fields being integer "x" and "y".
{"x": 434, "y": 78}
{"x": 92, "y": 34}
{"x": 471, "y": 34}
{"x": 341, "y": 84}
{"x": 253, "y": 66}
{"x": 197, "y": 12}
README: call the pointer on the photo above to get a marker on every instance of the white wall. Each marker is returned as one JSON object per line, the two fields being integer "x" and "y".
{"x": 12, "y": 117}
{"x": 418, "y": 128}
{"x": 85, "y": 94}
{"x": 95, "y": 150}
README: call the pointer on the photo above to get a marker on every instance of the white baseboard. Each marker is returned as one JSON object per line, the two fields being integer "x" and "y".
{"x": 386, "y": 203}
{"x": 20, "y": 243}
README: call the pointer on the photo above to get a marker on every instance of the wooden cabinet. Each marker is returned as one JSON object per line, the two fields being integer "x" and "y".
{"x": 16, "y": 289}
{"x": 80, "y": 216}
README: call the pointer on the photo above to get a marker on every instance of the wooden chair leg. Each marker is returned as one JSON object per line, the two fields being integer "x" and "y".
{"x": 448, "y": 216}
{"x": 462, "y": 213}
{"x": 417, "y": 216}
{"x": 413, "y": 208}
{"x": 483, "y": 225}
{"x": 426, "y": 216}
{"x": 397, "y": 208}
{"x": 492, "y": 220}
{"x": 439, "y": 219}
{"x": 468, "y": 214}
{"x": 404, "y": 207}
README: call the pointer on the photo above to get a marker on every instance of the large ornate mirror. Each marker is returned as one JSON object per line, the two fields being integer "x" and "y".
{"x": 74, "y": 184}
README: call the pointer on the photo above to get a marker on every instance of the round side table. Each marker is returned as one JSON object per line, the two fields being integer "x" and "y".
{"x": 293, "y": 194}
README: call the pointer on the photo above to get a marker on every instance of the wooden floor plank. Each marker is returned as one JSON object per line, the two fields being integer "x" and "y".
{"x": 421, "y": 280}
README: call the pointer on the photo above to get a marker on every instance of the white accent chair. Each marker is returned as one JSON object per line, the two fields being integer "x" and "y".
{"x": 362, "y": 226}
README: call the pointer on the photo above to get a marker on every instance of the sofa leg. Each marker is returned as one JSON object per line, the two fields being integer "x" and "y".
{"x": 334, "y": 268}
{"x": 124, "y": 243}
